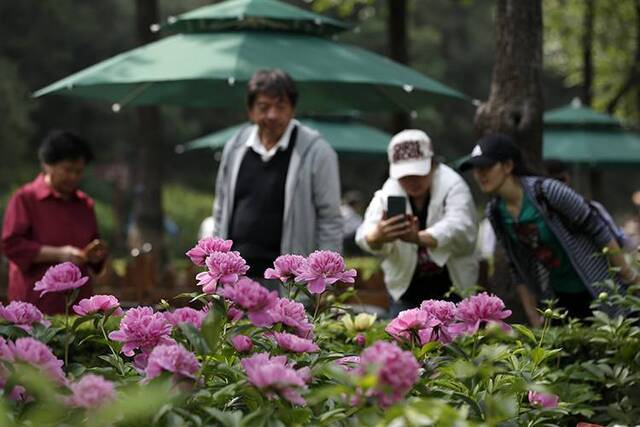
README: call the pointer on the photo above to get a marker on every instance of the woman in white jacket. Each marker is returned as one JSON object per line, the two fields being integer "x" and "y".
{"x": 430, "y": 248}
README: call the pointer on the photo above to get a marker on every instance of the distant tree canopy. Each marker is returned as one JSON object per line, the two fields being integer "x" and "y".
{"x": 616, "y": 51}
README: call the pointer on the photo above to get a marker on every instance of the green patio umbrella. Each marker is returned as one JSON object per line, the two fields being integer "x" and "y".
{"x": 344, "y": 135}
{"x": 210, "y": 69}
{"x": 577, "y": 134}
{"x": 253, "y": 14}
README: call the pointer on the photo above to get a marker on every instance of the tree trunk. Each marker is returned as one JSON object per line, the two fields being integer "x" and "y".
{"x": 515, "y": 102}
{"x": 587, "y": 53}
{"x": 398, "y": 50}
{"x": 147, "y": 203}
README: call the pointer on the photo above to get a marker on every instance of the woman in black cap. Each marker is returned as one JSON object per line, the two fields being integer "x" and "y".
{"x": 553, "y": 239}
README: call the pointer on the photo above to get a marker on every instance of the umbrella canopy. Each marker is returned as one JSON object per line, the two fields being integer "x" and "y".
{"x": 592, "y": 146}
{"x": 345, "y": 136}
{"x": 578, "y": 116}
{"x": 579, "y": 134}
{"x": 253, "y": 14}
{"x": 212, "y": 69}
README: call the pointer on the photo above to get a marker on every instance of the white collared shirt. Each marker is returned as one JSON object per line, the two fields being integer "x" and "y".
{"x": 255, "y": 144}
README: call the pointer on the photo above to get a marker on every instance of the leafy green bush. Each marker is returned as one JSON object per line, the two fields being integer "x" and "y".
{"x": 468, "y": 372}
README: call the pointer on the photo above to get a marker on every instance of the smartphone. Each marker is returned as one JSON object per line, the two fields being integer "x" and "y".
{"x": 396, "y": 205}
{"x": 94, "y": 245}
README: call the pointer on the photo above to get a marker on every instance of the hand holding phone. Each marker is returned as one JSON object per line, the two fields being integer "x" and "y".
{"x": 396, "y": 205}
{"x": 95, "y": 251}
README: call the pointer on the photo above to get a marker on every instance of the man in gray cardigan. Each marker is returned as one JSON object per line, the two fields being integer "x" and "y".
{"x": 278, "y": 185}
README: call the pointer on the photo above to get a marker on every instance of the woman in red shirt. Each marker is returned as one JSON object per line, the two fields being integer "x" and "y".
{"x": 49, "y": 221}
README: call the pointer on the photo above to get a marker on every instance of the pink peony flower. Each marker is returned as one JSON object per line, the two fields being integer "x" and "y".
{"x": 6, "y": 355}
{"x": 142, "y": 329}
{"x": 98, "y": 303}
{"x": 396, "y": 370}
{"x": 172, "y": 358}
{"x": 478, "y": 310}
{"x": 286, "y": 268}
{"x": 275, "y": 376}
{"x": 37, "y": 354}
{"x": 234, "y": 314}
{"x": 295, "y": 344}
{"x": 60, "y": 278}
{"x": 348, "y": 363}
{"x": 242, "y": 343}
{"x": 293, "y": 316}
{"x": 254, "y": 298}
{"x": 22, "y": 314}
{"x": 225, "y": 268}
{"x": 445, "y": 312}
{"x": 324, "y": 268}
{"x": 413, "y": 325}
{"x": 91, "y": 391}
{"x": 206, "y": 247}
{"x": 186, "y": 315}
{"x": 545, "y": 400}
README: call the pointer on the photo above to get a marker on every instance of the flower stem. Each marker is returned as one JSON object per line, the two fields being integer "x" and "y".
{"x": 104, "y": 334}
{"x": 67, "y": 303}
{"x": 315, "y": 313}
{"x": 547, "y": 321}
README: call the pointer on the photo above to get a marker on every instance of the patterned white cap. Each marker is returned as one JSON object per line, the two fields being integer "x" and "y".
{"x": 410, "y": 153}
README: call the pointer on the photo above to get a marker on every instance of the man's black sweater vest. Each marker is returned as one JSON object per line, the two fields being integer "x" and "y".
{"x": 258, "y": 207}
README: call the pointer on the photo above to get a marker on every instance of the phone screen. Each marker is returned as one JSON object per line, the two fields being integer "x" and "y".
{"x": 396, "y": 205}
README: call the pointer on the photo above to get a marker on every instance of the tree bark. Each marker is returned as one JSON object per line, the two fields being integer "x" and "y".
{"x": 587, "y": 53}
{"x": 147, "y": 203}
{"x": 633, "y": 76}
{"x": 398, "y": 50}
{"x": 515, "y": 103}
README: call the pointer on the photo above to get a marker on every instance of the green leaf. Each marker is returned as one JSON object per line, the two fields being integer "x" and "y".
{"x": 463, "y": 369}
{"x": 227, "y": 419}
{"x": 195, "y": 339}
{"x": 427, "y": 348}
{"x": 257, "y": 418}
{"x": 539, "y": 354}
{"x": 213, "y": 325}
{"x": 80, "y": 320}
{"x": 523, "y": 330}
{"x": 292, "y": 416}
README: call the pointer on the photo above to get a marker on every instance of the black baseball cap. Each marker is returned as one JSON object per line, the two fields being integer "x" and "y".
{"x": 491, "y": 149}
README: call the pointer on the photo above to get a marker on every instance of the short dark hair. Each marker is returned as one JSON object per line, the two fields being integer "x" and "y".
{"x": 275, "y": 83}
{"x": 61, "y": 145}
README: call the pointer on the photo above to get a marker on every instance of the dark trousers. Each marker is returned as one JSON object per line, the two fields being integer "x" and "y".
{"x": 577, "y": 305}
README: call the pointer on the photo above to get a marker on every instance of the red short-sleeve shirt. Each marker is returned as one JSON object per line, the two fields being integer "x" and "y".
{"x": 35, "y": 216}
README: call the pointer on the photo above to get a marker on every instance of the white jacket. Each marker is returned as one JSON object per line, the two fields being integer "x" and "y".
{"x": 451, "y": 220}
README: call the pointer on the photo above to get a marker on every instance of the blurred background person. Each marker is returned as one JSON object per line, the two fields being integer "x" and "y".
{"x": 551, "y": 235}
{"x": 351, "y": 210}
{"x": 632, "y": 225}
{"x": 560, "y": 171}
{"x": 429, "y": 246}
{"x": 50, "y": 221}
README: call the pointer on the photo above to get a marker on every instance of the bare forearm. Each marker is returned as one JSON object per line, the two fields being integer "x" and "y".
{"x": 530, "y": 305}
{"x": 427, "y": 240}
{"x": 57, "y": 254}
{"x": 373, "y": 240}
{"x": 616, "y": 258}
{"x": 48, "y": 254}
